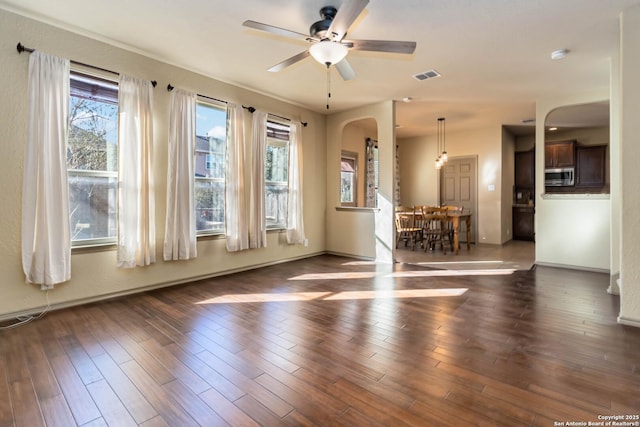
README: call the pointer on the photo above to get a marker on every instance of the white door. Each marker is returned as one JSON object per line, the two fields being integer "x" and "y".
{"x": 458, "y": 187}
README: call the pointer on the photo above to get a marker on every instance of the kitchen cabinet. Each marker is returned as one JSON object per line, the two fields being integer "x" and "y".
{"x": 524, "y": 169}
{"x": 523, "y": 223}
{"x": 590, "y": 166}
{"x": 559, "y": 154}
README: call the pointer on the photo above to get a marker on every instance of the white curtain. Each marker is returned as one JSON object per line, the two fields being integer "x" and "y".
{"x": 295, "y": 224}
{"x": 136, "y": 210}
{"x": 257, "y": 220}
{"x": 46, "y": 237}
{"x": 180, "y": 229}
{"x": 370, "y": 184}
{"x": 235, "y": 210}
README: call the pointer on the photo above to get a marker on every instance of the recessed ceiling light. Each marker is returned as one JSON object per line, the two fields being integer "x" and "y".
{"x": 559, "y": 54}
{"x": 552, "y": 129}
{"x": 407, "y": 99}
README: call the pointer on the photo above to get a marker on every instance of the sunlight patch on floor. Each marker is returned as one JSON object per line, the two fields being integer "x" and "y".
{"x": 410, "y": 273}
{"x": 445, "y": 273}
{"x": 335, "y": 296}
{"x": 360, "y": 263}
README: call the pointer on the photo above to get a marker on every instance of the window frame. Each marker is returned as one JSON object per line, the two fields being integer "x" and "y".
{"x": 203, "y": 233}
{"x": 94, "y": 75}
{"x": 272, "y": 222}
{"x": 351, "y": 158}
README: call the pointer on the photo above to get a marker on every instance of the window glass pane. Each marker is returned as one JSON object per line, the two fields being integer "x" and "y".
{"x": 348, "y": 177}
{"x": 92, "y": 158}
{"x": 276, "y": 173}
{"x": 277, "y": 159}
{"x": 210, "y": 162}
{"x": 92, "y": 202}
{"x": 209, "y": 204}
{"x": 276, "y": 204}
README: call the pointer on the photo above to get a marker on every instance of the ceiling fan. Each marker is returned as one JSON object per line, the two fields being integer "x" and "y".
{"x": 328, "y": 45}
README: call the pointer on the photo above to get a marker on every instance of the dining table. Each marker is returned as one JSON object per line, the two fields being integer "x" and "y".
{"x": 456, "y": 218}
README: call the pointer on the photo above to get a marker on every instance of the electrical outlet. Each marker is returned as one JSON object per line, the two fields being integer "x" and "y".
{"x": 306, "y": 242}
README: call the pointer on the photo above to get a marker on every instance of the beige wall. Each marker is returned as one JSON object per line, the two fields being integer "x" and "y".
{"x": 363, "y": 233}
{"x": 630, "y": 153}
{"x": 354, "y": 136}
{"x": 418, "y": 175}
{"x": 583, "y": 136}
{"x": 94, "y": 274}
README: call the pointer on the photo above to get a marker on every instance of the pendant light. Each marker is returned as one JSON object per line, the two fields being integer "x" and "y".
{"x": 442, "y": 156}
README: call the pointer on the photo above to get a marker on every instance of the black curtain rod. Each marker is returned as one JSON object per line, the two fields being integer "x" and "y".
{"x": 252, "y": 110}
{"x": 170, "y": 88}
{"x": 21, "y": 48}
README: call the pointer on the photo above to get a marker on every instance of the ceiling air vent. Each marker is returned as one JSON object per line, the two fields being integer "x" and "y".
{"x": 426, "y": 75}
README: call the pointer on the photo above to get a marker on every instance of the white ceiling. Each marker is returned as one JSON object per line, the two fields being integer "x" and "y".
{"x": 493, "y": 55}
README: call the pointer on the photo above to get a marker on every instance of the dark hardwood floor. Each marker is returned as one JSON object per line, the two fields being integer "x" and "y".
{"x": 331, "y": 341}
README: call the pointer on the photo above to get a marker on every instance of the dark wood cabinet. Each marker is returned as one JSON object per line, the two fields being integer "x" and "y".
{"x": 525, "y": 169}
{"x": 559, "y": 154}
{"x": 523, "y": 223}
{"x": 590, "y": 166}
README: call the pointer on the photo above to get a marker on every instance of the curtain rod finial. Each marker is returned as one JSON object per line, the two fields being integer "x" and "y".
{"x": 154, "y": 83}
{"x": 21, "y": 48}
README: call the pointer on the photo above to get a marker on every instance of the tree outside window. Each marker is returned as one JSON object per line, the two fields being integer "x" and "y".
{"x": 92, "y": 159}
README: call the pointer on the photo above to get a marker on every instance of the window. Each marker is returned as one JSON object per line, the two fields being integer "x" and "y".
{"x": 211, "y": 140}
{"x": 92, "y": 159}
{"x": 348, "y": 178}
{"x": 276, "y": 173}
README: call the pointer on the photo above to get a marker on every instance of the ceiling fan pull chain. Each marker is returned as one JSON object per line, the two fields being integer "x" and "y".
{"x": 328, "y": 84}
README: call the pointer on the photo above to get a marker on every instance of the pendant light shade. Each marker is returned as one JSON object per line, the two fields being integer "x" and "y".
{"x": 328, "y": 52}
{"x": 442, "y": 157}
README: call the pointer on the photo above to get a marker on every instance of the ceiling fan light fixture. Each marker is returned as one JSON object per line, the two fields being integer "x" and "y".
{"x": 559, "y": 54}
{"x": 328, "y": 52}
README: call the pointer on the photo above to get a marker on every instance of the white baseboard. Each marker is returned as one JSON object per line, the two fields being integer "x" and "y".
{"x": 573, "y": 267}
{"x": 105, "y": 297}
{"x": 629, "y": 322}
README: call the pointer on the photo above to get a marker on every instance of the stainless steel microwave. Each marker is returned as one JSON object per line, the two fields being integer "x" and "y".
{"x": 559, "y": 177}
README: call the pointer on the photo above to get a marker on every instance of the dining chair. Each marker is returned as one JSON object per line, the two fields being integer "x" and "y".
{"x": 434, "y": 228}
{"x": 450, "y": 209}
{"x": 406, "y": 229}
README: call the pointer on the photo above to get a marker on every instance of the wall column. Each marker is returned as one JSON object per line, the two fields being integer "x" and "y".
{"x": 630, "y": 173}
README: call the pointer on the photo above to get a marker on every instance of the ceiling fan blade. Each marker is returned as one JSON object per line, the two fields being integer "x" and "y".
{"x": 392, "y": 46}
{"x": 347, "y": 14}
{"x": 284, "y": 64}
{"x": 345, "y": 70}
{"x": 277, "y": 30}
